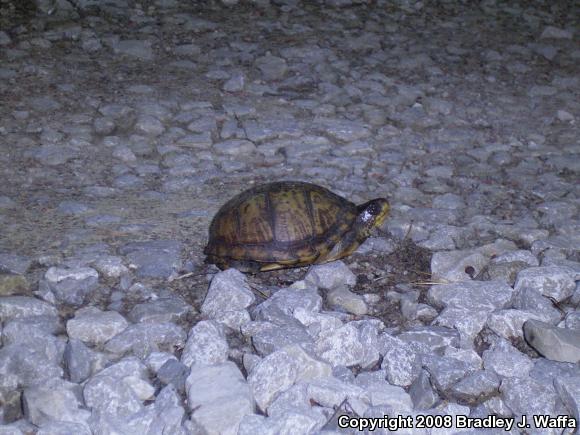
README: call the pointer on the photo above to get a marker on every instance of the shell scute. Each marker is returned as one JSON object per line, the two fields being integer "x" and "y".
{"x": 326, "y": 208}
{"x": 253, "y": 222}
{"x": 291, "y": 219}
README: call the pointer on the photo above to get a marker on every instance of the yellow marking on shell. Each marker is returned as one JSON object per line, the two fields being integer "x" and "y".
{"x": 325, "y": 211}
{"x": 271, "y": 266}
{"x": 291, "y": 219}
{"x": 302, "y": 260}
{"x": 254, "y": 225}
{"x": 306, "y": 254}
{"x": 238, "y": 252}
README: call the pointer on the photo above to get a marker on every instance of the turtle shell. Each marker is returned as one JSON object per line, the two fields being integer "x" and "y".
{"x": 287, "y": 223}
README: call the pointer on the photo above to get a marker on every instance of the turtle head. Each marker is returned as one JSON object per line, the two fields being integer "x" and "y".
{"x": 371, "y": 215}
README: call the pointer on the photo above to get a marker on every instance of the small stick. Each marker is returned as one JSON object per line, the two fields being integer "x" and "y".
{"x": 339, "y": 410}
{"x": 408, "y": 231}
{"x": 431, "y": 282}
{"x": 187, "y": 275}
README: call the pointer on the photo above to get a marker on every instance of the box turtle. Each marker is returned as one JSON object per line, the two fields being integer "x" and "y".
{"x": 289, "y": 224}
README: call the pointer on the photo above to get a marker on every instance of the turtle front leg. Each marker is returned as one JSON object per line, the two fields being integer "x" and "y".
{"x": 343, "y": 248}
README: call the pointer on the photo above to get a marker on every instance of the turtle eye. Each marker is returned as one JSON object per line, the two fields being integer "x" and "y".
{"x": 370, "y": 211}
{"x": 374, "y": 207}
{"x": 367, "y": 215}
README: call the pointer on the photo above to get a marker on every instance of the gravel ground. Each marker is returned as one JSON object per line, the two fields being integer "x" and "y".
{"x": 124, "y": 126}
